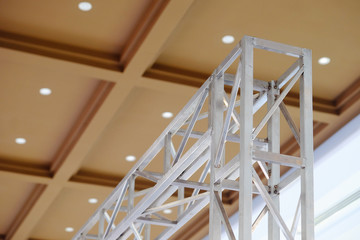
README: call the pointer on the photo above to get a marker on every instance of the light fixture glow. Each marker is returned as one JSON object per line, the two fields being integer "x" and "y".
{"x": 130, "y": 158}
{"x": 167, "y": 211}
{"x": 85, "y": 6}
{"x": 20, "y": 140}
{"x": 324, "y": 61}
{"x": 69, "y": 229}
{"x": 227, "y": 39}
{"x": 45, "y": 91}
{"x": 167, "y": 114}
{"x": 92, "y": 200}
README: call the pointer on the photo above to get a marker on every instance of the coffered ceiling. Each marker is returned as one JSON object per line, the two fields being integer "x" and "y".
{"x": 115, "y": 69}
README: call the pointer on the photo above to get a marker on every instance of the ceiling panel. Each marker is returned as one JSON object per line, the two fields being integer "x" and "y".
{"x": 44, "y": 121}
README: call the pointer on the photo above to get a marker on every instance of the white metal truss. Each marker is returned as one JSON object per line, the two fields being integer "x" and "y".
{"x": 201, "y": 154}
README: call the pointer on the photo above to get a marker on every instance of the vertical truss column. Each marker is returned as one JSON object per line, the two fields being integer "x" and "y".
{"x": 273, "y": 132}
{"x": 306, "y": 145}
{"x": 246, "y": 124}
{"x": 147, "y": 232}
{"x": 167, "y": 152}
{"x": 215, "y": 124}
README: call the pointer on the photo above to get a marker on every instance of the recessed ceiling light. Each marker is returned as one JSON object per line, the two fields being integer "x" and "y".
{"x": 130, "y": 158}
{"x": 324, "y": 60}
{"x": 92, "y": 200}
{"x": 85, "y": 6}
{"x": 167, "y": 114}
{"x": 45, "y": 91}
{"x": 227, "y": 39}
{"x": 69, "y": 229}
{"x": 20, "y": 140}
{"x": 167, "y": 211}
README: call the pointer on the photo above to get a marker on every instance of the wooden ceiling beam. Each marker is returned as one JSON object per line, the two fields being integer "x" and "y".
{"x": 140, "y": 32}
{"x": 98, "y": 97}
{"x": 161, "y": 29}
{"x": 31, "y": 205}
{"x": 59, "y": 57}
{"x": 24, "y": 172}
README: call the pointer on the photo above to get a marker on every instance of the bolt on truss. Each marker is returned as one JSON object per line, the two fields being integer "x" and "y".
{"x": 192, "y": 151}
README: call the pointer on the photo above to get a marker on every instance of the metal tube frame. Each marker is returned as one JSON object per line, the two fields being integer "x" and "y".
{"x": 209, "y": 153}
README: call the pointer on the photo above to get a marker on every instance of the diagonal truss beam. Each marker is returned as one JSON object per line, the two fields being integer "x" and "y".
{"x": 208, "y": 150}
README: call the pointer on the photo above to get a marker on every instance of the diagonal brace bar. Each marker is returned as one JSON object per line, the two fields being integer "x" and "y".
{"x": 224, "y": 217}
{"x": 270, "y": 205}
{"x": 191, "y": 126}
{"x": 290, "y": 121}
{"x": 234, "y": 91}
{"x": 276, "y": 104}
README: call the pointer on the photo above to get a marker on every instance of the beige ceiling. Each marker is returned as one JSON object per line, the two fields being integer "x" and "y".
{"x": 115, "y": 69}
